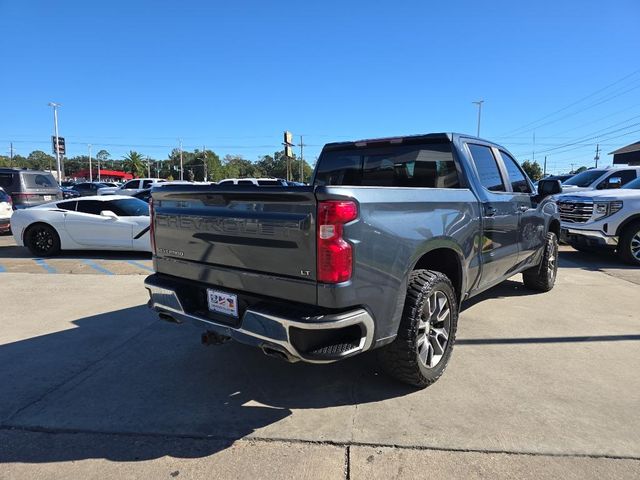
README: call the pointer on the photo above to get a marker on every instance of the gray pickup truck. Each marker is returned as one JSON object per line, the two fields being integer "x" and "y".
{"x": 377, "y": 253}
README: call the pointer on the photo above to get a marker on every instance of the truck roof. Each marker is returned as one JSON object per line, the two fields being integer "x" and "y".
{"x": 402, "y": 139}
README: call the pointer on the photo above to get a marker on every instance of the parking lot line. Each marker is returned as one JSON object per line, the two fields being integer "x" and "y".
{"x": 45, "y": 265}
{"x": 97, "y": 267}
{"x": 139, "y": 265}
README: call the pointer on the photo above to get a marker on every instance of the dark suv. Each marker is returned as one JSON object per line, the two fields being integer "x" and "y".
{"x": 29, "y": 187}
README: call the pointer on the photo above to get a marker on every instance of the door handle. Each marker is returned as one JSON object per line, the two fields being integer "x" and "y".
{"x": 490, "y": 211}
{"x": 523, "y": 208}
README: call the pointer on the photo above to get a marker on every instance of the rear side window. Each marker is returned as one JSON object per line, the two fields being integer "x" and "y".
{"x": 71, "y": 206}
{"x": 6, "y": 179}
{"x": 245, "y": 182}
{"x": 411, "y": 166}
{"x": 93, "y": 207}
{"x": 517, "y": 178}
{"x": 487, "y": 168}
{"x": 267, "y": 183}
{"x": 146, "y": 183}
{"x": 39, "y": 180}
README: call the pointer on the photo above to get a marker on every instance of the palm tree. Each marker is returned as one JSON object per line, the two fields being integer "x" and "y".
{"x": 133, "y": 162}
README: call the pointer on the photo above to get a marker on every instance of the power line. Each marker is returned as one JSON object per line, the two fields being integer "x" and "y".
{"x": 574, "y": 103}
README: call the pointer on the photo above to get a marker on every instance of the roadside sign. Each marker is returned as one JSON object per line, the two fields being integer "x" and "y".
{"x": 61, "y": 147}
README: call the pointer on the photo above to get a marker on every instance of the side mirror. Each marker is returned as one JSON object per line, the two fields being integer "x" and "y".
{"x": 549, "y": 187}
{"x": 614, "y": 182}
{"x": 108, "y": 214}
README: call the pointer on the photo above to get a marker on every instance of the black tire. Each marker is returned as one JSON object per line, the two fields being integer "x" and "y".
{"x": 42, "y": 240}
{"x": 542, "y": 277}
{"x": 403, "y": 358}
{"x": 629, "y": 244}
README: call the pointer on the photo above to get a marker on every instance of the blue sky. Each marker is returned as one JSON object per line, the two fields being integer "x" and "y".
{"x": 234, "y": 75}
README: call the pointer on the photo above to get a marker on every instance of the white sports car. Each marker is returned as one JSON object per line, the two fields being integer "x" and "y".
{"x": 88, "y": 223}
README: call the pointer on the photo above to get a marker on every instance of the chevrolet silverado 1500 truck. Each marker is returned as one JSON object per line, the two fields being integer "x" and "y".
{"x": 598, "y": 220}
{"x": 377, "y": 253}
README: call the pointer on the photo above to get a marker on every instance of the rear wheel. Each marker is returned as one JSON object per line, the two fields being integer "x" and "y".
{"x": 543, "y": 276}
{"x": 42, "y": 240}
{"x": 421, "y": 351}
{"x": 629, "y": 245}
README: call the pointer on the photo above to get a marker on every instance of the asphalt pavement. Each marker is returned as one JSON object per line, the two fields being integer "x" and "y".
{"x": 95, "y": 386}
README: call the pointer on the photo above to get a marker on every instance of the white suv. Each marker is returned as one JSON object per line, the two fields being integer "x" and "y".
{"x": 262, "y": 182}
{"x": 601, "y": 179}
{"x": 610, "y": 219}
{"x": 131, "y": 187}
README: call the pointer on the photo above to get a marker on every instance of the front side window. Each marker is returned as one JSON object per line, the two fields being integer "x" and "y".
{"x": 487, "y": 167}
{"x": 517, "y": 177}
{"x": 625, "y": 176}
{"x": 131, "y": 184}
{"x": 245, "y": 182}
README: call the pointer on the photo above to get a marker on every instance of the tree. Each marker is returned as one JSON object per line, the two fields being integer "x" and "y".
{"x": 276, "y": 166}
{"x": 235, "y": 166}
{"x": 532, "y": 169}
{"x": 580, "y": 170}
{"x": 103, "y": 155}
{"x": 133, "y": 162}
{"x": 39, "y": 160}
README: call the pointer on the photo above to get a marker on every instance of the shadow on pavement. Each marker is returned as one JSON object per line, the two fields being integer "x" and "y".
{"x": 506, "y": 289}
{"x": 126, "y": 373}
{"x": 13, "y": 251}
{"x": 595, "y": 261}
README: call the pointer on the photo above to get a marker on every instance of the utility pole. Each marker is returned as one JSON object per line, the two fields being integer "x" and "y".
{"x": 479, "y": 103}
{"x": 90, "y": 169}
{"x": 544, "y": 169}
{"x": 572, "y": 171}
{"x": 533, "y": 159}
{"x": 11, "y": 156}
{"x": 55, "y": 128}
{"x": 204, "y": 164}
{"x": 597, "y": 157}
{"x": 98, "y": 158}
{"x": 148, "y": 167}
{"x": 181, "y": 175}
{"x": 302, "y": 145}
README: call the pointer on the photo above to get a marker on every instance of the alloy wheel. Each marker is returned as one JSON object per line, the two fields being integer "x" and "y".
{"x": 433, "y": 330}
{"x": 43, "y": 240}
{"x": 635, "y": 246}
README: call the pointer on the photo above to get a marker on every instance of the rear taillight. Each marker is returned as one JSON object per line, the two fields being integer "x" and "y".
{"x": 335, "y": 256}
{"x": 152, "y": 230}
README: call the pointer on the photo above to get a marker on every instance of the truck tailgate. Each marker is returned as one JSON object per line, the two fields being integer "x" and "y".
{"x": 253, "y": 229}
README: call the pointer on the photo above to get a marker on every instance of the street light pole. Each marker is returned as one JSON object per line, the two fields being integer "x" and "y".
{"x": 90, "y": 169}
{"x": 55, "y": 127}
{"x": 479, "y": 103}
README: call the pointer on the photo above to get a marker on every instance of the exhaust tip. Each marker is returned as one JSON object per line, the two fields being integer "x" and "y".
{"x": 276, "y": 352}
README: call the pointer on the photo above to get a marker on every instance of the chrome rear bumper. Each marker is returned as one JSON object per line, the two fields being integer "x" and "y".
{"x": 273, "y": 333}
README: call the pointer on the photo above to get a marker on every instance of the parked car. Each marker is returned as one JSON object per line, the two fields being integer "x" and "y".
{"x": 87, "y": 223}
{"x": 598, "y": 220}
{"x": 262, "y": 182}
{"x": 601, "y": 179}
{"x": 67, "y": 184}
{"x": 28, "y": 188}
{"x": 69, "y": 193}
{"x": 88, "y": 189}
{"x": 6, "y": 210}
{"x": 378, "y": 253}
{"x": 131, "y": 187}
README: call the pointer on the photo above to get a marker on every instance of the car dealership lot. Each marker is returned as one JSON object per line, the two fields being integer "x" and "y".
{"x": 94, "y": 385}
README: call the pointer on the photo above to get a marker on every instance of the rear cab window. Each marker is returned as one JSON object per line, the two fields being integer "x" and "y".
{"x": 429, "y": 165}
